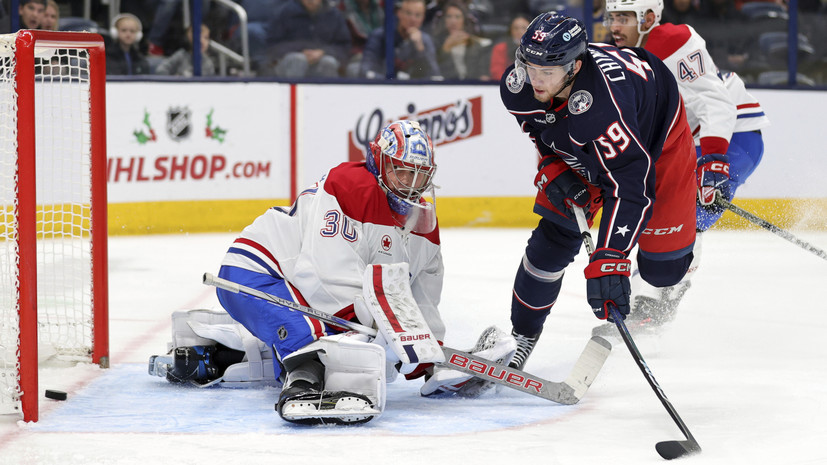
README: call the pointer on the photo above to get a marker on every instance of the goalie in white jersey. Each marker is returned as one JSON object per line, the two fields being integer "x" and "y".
{"x": 725, "y": 119}
{"x": 363, "y": 222}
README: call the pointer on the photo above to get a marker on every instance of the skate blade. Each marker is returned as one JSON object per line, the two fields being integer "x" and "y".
{"x": 159, "y": 364}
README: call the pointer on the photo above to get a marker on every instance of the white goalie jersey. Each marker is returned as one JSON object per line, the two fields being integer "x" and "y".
{"x": 322, "y": 245}
{"x": 716, "y": 105}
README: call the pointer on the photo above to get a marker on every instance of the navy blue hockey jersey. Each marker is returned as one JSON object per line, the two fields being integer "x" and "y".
{"x": 611, "y": 131}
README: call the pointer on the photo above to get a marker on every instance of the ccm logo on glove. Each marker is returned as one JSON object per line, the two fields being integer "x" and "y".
{"x": 719, "y": 167}
{"x": 615, "y": 268}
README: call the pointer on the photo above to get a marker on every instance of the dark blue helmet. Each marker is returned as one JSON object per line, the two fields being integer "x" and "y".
{"x": 552, "y": 40}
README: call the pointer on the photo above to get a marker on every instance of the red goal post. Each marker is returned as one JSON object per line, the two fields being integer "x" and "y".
{"x": 53, "y": 225}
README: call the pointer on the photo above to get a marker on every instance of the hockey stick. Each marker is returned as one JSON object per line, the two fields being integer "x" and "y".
{"x": 567, "y": 392}
{"x": 769, "y": 226}
{"x": 667, "y": 449}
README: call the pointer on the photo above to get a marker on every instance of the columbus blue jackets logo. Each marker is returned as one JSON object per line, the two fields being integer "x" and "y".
{"x": 515, "y": 80}
{"x": 580, "y": 102}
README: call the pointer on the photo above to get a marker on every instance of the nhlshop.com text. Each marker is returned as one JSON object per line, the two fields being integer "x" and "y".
{"x": 182, "y": 167}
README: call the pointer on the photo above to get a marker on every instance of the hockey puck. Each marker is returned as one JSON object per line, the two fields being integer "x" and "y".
{"x": 56, "y": 395}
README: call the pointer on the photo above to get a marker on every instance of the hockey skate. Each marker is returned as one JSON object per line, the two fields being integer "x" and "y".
{"x": 649, "y": 315}
{"x": 305, "y": 404}
{"x": 525, "y": 345}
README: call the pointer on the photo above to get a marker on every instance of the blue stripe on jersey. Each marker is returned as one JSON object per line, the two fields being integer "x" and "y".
{"x": 751, "y": 115}
{"x": 254, "y": 258}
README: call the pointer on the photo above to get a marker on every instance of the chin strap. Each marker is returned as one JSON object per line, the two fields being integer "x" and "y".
{"x": 569, "y": 79}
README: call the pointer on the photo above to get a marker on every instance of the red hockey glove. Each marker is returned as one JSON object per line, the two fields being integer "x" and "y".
{"x": 713, "y": 179}
{"x": 564, "y": 189}
{"x": 607, "y": 280}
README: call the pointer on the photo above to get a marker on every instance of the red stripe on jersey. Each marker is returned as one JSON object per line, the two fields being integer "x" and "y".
{"x": 666, "y": 39}
{"x": 748, "y": 105}
{"x": 261, "y": 249}
{"x": 383, "y": 300}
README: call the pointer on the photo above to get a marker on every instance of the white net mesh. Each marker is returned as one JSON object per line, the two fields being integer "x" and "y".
{"x": 9, "y": 322}
{"x": 63, "y": 199}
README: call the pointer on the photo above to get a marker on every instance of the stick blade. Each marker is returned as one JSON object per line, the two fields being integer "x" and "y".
{"x": 587, "y": 367}
{"x": 675, "y": 449}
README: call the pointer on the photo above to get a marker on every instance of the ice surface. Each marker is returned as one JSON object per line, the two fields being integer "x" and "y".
{"x": 743, "y": 365}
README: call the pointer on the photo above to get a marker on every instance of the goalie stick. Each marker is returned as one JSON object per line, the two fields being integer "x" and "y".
{"x": 568, "y": 392}
{"x": 769, "y": 227}
{"x": 667, "y": 449}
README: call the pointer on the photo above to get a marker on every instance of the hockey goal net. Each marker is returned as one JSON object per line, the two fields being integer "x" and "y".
{"x": 53, "y": 254}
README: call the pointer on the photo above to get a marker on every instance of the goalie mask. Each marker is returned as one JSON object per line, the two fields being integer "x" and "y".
{"x": 551, "y": 40}
{"x": 402, "y": 159}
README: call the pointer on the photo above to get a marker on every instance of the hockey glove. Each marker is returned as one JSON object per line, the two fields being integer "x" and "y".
{"x": 607, "y": 281}
{"x": 713, "y": 179}
{"x": 564, "y": 189}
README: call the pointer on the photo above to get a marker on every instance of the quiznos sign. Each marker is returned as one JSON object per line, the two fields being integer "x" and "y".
{"x": 445, "y": 124}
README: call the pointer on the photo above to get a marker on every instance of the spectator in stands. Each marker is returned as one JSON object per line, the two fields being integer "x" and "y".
{"x": 460, "y": 54}
{"x": 51, "y": 16}
{"x": 436, "y": 9}
{"x": 363, "y": 16}
{"x": 309, "y": 39}
{"x": 414, "y": 51}
{"x": 122, "y": 54}
{"x": 180, "y": 62}
{"x": 681, "y": 11}
{"x": 260, "y": 15}
{"x": 165, "y": 11}
{"x": 502, "y": 54}
{"x": 716, "y": 21}
{"x": 31, "y": 13}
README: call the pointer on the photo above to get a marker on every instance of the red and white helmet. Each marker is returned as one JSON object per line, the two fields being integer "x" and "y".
{"x": 402, "y": 159}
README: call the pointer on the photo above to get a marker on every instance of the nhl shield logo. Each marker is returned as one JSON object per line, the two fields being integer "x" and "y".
{"x": 179, "y": 123}
{"x": 550, "y": 118}
{"x": 580, "y": 102}
{"x": 515, "y": 80}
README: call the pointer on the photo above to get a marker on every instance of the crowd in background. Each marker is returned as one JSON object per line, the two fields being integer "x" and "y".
{"x": 433, "y": 39}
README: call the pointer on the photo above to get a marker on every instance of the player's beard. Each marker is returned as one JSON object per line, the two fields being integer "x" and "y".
{"x": 547, "y": 94}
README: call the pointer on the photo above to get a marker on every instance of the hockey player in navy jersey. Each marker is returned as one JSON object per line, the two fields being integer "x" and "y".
{"x": 725, "y": 119}
{"x": 611, "y": 132}
{"x": 319, "y": 253}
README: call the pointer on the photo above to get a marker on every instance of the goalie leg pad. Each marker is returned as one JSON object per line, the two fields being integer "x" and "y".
{"x": 200, "y": 337}
{"x": 354, "y": 388}
{"x": 184, "y": 335}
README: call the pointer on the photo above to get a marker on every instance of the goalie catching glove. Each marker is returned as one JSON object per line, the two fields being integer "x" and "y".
{"x": 493, "y": 344}
{"x": 607, "y": 282}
